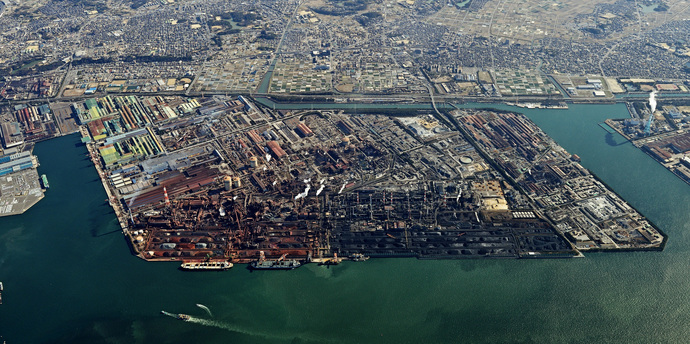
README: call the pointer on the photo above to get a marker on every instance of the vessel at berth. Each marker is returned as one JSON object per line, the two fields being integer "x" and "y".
{"x": 275, "y": 265}
{"x": 211, "y": 265}
{"x": 279, "y": 264}
{"x": 358, "y": 257}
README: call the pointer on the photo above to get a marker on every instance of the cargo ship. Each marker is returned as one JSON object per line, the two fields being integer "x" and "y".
{"x": 1, "y": 288}
{"x": 279, "y": 264}
{"x": 210, "y": 265}
{"x": 44, "y": 180}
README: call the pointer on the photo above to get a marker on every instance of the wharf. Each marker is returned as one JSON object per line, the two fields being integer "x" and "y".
{"x": 85, "y": 137}
{"x": 119, "y": 212}
{"x": 607, "y": 127}
{"x": 19, "y": 192}
{"x": 610, "y": 124}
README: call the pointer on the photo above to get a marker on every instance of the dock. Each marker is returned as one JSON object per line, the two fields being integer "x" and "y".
{"x": 609, "y": 124}
{"x": 21, "y": 191}
{"x": 119, "y": 212}
{"x": 606, "y": 127}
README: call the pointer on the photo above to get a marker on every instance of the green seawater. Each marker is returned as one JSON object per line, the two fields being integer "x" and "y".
{"x": 70, "y": 278}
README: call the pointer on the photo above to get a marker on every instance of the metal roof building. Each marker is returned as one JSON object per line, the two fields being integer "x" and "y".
{"x": 16, "y": 162}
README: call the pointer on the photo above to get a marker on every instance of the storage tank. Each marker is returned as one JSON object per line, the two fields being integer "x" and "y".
{"x": 236, "y": 182}
{"x": 465, "y": 159}
{"x": 227, "y": 183}
{"x": 253, "y": 162}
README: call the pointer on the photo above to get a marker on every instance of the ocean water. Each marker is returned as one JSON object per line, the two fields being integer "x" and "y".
{"x": 69, "y": 276}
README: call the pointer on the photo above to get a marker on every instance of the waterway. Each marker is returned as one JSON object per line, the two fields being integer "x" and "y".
{"x": 69, "y": 276}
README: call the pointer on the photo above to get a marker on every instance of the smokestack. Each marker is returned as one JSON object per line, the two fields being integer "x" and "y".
{"x": 165, "y": 194}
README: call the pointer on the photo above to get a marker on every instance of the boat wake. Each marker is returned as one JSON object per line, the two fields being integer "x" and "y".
{"x": 169, "y": 314}
{"x": 218, "y": 324}
{"x": 228, "y": 327}
{"x": 205, "y": 308}
{"x": 236, "y": 329}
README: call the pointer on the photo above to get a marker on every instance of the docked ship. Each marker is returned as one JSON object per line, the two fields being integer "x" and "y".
{"x": 44, "y": 181}
{"x": 358, "y": 257}
{"x": 279, "y": 264}
{"x": 560, "y": 105}
{"x": 210, "y": 265}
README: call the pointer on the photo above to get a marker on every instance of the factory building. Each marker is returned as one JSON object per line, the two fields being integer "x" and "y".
{"x": 11, "y": 134}
{"x": 17, "y": 162}
{"x": 303, "y": 130}
{"x": 275, "y": 148}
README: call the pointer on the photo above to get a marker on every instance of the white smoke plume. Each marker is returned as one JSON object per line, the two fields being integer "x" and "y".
{"x": 652, "y": 101}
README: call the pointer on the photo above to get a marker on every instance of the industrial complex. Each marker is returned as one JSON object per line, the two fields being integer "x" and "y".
{"x": 663, "y": 133}
{"x": 225, "y": 179}
{"x": 176, "y": 105}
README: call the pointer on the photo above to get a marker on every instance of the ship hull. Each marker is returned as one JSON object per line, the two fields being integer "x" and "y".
{"x": 273, "y": 266}
{"x": 205, "y": 266}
